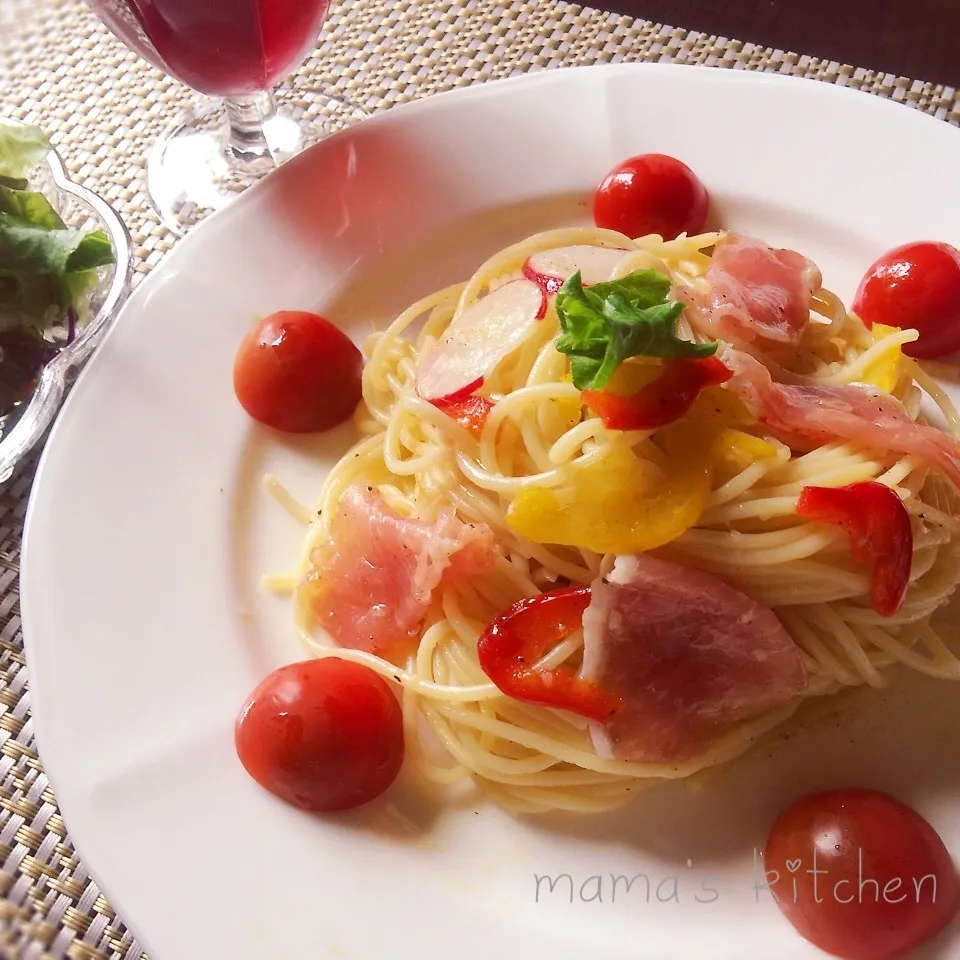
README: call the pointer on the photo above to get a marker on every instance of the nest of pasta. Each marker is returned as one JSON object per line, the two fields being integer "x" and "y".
{"x": 621, "y": 506}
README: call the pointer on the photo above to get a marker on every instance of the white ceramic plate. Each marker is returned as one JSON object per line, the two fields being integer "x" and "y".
{"x": 148, "y": 531}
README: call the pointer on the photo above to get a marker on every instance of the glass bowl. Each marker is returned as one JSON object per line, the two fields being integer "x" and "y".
{"x": 27, "y": 423}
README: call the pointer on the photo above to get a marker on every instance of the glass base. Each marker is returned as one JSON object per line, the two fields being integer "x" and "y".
{"x": 206, "y": 158}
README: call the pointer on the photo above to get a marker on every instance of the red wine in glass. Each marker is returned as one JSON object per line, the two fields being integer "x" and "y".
{"x": 231, "y": 49}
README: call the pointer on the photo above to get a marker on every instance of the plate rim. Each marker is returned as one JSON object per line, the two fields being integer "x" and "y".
{"x": 31, "y": 585}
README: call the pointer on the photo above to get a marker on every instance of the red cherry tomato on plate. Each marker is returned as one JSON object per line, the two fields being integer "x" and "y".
{"x": 651, "y": 194}
{"x": 874, "y": 895}
{"x": 916, "y": 286}
{"x": 323, "y": 734}
{"x": 297, "y": 372}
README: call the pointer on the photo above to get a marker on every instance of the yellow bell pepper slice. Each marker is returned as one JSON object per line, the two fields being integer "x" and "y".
{"x": 634, "y": 375}
{"x": 735, "y": 450}
{"x": 606, "y": 506}
{"x": 717, "y": 408}
{"x": 884, "y": 370}
{"x": 569, "y": 409}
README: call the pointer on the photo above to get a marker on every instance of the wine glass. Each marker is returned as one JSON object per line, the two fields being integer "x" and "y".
{"x": 236, "y": 51}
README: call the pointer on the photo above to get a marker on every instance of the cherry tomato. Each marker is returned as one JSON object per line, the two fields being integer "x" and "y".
{"x": 916, "y": 286}
{"x": 297, "y": 372}
{"x": 651, "y": 194}
{"x": 874, "y": 895}
{"x": 323, "y": 734}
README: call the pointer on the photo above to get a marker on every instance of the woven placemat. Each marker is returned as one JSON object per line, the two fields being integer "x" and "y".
{"x": 103, "y": 107}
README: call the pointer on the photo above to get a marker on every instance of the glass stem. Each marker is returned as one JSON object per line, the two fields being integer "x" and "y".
{"x": 246, "y": 115}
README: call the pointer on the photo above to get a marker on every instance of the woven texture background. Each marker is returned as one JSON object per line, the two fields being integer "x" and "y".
{"x": 103, "y": 107}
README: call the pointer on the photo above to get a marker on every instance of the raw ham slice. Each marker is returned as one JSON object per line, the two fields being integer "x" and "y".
{"x": 374, "y": 581}
{"x": 755, "y": 292}
{"x": 689, "y": 656}
{"x": 814, "y": 415}
{"x": 479, "y": 339}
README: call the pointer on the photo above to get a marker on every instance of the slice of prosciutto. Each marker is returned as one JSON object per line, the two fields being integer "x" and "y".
{"x": 374, "y": 581}
{"x": 688, "y": 655}
{"x": 755, "y": 292}
{"x": 478, "y": 339}
{"x": 807, "y": 415}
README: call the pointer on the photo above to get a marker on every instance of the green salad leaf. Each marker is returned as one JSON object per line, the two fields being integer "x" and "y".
{"x": 606, "y": 323}
{"x": 44, "y": 272}
{"x": 28, "y": 209}
{"x": 21, "y": 149}
{"x": 47, "y": 269}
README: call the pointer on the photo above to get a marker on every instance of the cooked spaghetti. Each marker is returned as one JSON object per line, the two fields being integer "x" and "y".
{"x": 540, "y": 440}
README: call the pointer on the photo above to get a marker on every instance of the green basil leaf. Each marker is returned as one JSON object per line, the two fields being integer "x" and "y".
{"x": 607, "y": 323}
{"x": 584, "y": 370}
{"x": 643, "y": 288}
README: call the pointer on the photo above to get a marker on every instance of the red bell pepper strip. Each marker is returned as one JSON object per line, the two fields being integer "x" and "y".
{"x": 512, "y": 644}
{"x": 662, "y": 401}
{"x": 879, "y": 528}
{"x": 469, "y": 411}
